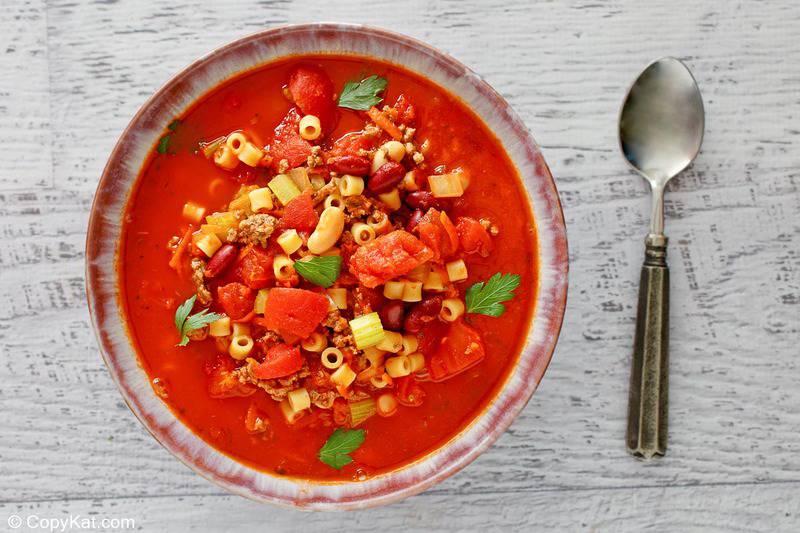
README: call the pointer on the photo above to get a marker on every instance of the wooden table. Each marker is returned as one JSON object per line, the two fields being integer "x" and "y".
{"x": 73, "y": 74}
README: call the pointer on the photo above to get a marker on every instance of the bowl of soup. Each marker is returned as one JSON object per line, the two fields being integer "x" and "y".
{"x": 326, "y": 266}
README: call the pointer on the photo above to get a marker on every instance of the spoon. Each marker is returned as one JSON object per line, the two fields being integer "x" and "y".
{"x": 660, "y": 133}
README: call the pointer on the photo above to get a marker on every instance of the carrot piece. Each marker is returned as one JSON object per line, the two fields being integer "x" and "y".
{"x": 383, "y": 122}
{"x": 176, "y": 261}
{"x": 246, "y": 318}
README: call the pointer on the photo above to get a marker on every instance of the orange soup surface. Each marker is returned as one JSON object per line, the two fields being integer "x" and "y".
{"x": 301, "y": 263}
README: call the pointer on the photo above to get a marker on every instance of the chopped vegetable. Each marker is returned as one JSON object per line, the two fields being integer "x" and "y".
{"x": 388, "y": 257}
{"x": 284, "y": 188}
{"x": 485, "y": 298}
{"x": 294, "y": 311}
{"x": 458, "y": 350}
{"x": 236, "y": 299}
{"x": 383, "y": 122}
{"x": 288, "y": 144}
{"x": 361, "y": 410}
{"x": 438, "y": 233}
{"x": 255, "y": 267}
{"x": 322, "y": 271}
{"x": 299, "y": 213}
{"x": 363, "y": 94}
{"x": 473, "y": 237}
{"x": 341, "y": 443}
{"x": 281, "y": 360}
{"x": 312, "y": 91}
{"x": 186, "y": 323}
{"x": 367, "y": 330}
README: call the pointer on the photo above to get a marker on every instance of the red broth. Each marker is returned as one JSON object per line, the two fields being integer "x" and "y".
{"x": 152, "y": 290}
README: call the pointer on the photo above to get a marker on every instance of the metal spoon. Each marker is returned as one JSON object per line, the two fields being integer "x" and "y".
{"x": 660, "y": 133}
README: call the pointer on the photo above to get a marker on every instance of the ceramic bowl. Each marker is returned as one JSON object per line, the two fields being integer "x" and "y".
{"x": 105, "y": 229}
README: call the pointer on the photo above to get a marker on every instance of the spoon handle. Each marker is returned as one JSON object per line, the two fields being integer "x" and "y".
{"x": 647, "y": 400}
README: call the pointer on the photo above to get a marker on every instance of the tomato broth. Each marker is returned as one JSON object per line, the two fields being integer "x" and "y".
{"x": 256, "y": 102}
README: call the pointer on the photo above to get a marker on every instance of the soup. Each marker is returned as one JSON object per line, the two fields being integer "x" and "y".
{"x": 329, "y": 266}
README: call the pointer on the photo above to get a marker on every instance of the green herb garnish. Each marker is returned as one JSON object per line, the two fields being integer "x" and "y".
{"x": 341, "y": 443}
{"x": 187, "y": 324}
{"x": 322, "y": 271}
{"x": 163, "y": 143}
{"x": 363, "y": 94}
{"x": 485, "y": 298}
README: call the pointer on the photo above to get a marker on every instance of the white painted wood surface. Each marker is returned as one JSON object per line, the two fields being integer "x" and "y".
{"x": 71, "y": 76}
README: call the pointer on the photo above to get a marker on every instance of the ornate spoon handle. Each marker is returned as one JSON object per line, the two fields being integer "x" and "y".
{"x": 647, "y": 401}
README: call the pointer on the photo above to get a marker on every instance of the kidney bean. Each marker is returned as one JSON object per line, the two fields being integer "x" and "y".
{"x": 220, "y": 261}
{"x": 423, "y": 200}
{"x": 349, "y": 164}
{"x": 422, "y": 313}
{"x": 413, "y": 220}
{"x": 392, "y": 315}
{"x": 386, "y": 177}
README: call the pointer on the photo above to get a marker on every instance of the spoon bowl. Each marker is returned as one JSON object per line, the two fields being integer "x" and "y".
{"x": 661, "y": 125}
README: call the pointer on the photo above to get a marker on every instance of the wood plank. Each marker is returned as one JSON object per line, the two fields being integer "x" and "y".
{"x": 25, "y": 159}
{"x": 724, "y": 509}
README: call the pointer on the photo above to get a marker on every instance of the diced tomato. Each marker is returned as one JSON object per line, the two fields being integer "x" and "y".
{"x": 294, "y": 311}
{"x": 222, "y": 383}
{"x": 312, "y": 91}
{"x": 409, "y": 392}
{"x": 341, "y": 412}
{"x": 236, "y": 299}
{"x": 281, "y": 360}
{"x": 255, "y": 267}
{"x": 438, "y": 233}
{"x": 288, "y": 144}
{"x": 473, "y": 237}
{"x": 299, "y": 214}
{"x": 387, "y": 257}
{"x": 406, "y": 113}
{"x": 352, "y": 144}
{"x": 256, "y": 421}
{"x": 458, "y": 350}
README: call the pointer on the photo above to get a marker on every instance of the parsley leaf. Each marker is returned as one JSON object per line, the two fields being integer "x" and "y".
{"x": 363, "y": 94}
{"x": 185, "y": 323}
{"x": 322, "y": 271}
{"x": 163, "y": 145}
{"x": 485, "y": 298}
{"x": 341, "y": 443}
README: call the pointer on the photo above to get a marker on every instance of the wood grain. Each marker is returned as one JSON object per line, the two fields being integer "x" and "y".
{"x": 71, "y": 76}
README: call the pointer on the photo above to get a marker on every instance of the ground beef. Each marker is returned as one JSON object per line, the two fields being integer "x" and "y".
{"x": 336, "y": 321}
{"x": 315, "y": 159}
{"x": 323, "y": 399}
{"x": 357, "y": 207}
{"x": 342, "y": 340}
{"x": 361, "y": 305}
{"x": 276, "y": 388}
{"x": 199, "y": 280}
{"x": 256, "y": 229}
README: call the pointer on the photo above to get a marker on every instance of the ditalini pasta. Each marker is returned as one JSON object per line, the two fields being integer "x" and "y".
{"x": 321, "y": 266}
